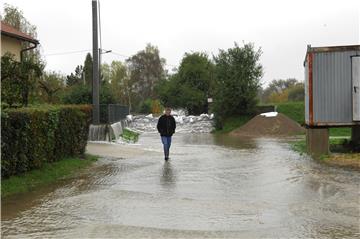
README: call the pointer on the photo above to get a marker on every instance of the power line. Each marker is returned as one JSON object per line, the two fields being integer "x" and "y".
{"x": 80, "y": 51}
{"x": 119, "y": 54}
{"x": 66, "y": 53}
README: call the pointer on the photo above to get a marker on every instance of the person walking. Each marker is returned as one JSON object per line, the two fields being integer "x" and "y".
{"x": 166, "y": 127}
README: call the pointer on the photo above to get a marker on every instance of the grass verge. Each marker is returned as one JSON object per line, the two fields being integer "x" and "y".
{"x": 343, "y": 132}
{"x": 129, "y": 135}
{"x": 293, "y": 110}
{"x": 296, "y": 111}
{"x": 50, "y": 173}
{"x": 341, "y": 153}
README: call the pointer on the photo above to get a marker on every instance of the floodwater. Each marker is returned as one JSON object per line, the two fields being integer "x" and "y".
{"x": 212, "y": 187}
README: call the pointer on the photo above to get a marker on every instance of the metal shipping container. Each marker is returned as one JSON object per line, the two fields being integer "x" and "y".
{"x": 332, "y": 86}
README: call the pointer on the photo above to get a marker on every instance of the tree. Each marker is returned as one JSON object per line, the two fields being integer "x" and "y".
{"x": 75, "y": 78}
{"x": 50, "y": 84}
{"x": 297, "y": 92}
{"x": 18, "y": 79}
{"x": 282, "y": 90}
{"x": 81, "y": 94}
{"x": 190, "y": 87}
{"x": 105, "y": 71}
{"x": 237, "y": 76}
{"x": 119, "y": 82}
{"x": 145, "y": 68}
{"x": 88, "y": 69}
{"x": 14, "y": 17}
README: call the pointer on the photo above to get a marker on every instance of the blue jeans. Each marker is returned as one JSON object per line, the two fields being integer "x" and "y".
{"x": 166, "y": 140}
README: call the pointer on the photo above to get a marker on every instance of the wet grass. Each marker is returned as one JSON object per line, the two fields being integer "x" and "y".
{"x": 50, "y": 173}
{"x": 341, "y": 152}
{"x": 296, "y": 112}
{"x": 337, "y": 132}
{"x": 337, "y": 145}
{"x": 299, "y": 146}
{"x": 130, "y": 135}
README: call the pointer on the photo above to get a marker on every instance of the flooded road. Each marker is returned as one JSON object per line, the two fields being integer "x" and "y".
{"x": 212, "y": 187}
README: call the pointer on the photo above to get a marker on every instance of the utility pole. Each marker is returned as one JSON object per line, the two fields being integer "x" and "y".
{"x": 95, "y": 75}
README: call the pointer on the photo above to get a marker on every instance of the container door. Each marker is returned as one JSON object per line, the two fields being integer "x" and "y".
{"x": 355, "y": 65}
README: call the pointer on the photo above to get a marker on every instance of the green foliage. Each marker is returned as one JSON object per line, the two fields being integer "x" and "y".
{"x": 145, "y": 106}
{"x": 297, "y": 92}
{"x": 237, "y": 76}
{"x": 81, "y": 94}
{"x": 190, "y": 87}
{"x": 130, "y": 135}
{"x": 119, "y": 82}
{"x": 49, "y": 173}
{"x": 75, "y": 78}
{"x": 280, "y": 91}
{"x": 50, "y": 86}
{"x": 33, "y": 136}
{"x": 18, "y": 79}
{"x": 105, "y": 73}
{"x": 88, "y": 69}
{"x": 14, "y": 17}
{"x": 299, "y": 146}
{"x": 293, "y": 110}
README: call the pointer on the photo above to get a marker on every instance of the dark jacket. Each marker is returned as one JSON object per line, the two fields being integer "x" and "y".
{"x": 166, "y": 125}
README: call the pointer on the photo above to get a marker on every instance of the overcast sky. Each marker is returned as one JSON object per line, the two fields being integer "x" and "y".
{"x": 281, "y": 28}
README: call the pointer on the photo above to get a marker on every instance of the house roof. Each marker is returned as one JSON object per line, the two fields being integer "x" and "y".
{"x": 10, "y": 31}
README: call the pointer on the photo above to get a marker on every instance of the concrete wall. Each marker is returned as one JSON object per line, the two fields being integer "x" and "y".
{"x": 11, "y": 45}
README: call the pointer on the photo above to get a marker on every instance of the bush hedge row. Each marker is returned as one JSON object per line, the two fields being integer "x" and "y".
{"x": 33, "y": 136}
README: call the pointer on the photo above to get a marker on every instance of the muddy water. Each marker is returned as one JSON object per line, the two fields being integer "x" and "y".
{"x": 211, "y": 187}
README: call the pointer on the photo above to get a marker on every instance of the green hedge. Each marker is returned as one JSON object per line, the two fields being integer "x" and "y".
{"x": 31, "y": 137}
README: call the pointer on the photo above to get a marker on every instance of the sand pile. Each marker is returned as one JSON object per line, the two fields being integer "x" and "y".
{"x": 259, "y": 126}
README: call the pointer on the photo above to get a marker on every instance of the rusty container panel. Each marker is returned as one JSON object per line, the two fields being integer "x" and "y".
{"x": 306, "y": 85}
{"x": 328, "y": 87}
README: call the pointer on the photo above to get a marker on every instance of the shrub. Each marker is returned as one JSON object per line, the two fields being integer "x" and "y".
{"x": 129, "y": 135}
{"x": 33, "y": 136}
{"x": 82, "y": 94}
{"x": 145, "y": 106}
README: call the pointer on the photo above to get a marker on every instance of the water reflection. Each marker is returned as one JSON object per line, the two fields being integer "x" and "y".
{"x": 235, "y": 142}
{"x": 168, "y": 177}
{"x": 219, "y": 140}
